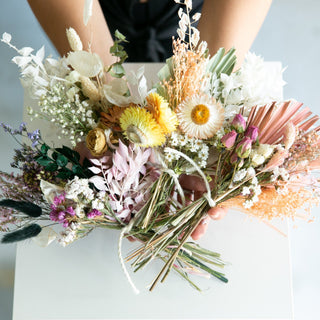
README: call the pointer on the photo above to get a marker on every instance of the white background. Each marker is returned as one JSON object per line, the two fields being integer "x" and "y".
{"x": 291, "y": 34}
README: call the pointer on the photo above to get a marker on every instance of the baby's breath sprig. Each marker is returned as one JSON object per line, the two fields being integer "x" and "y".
{"x": 65, "y": 107}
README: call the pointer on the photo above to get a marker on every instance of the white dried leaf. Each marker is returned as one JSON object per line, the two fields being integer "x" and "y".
{"x": 185, "y": 19}
{"x": 25, "y": 51}
{"x": 182, "y": 26}
{"x": 180, "y": 12}
{"x": 6, "y": 37}
{"x": 181, "y": 34}
{"x": 21, "y": 61}
{"x": 39, "y": 55}
{"x": 177, "y": 1}
{"x": 195, "y": 37}
{"x": 87, "y": 11}
{"x": 202, "y": 47}
{"x": 50, "y": 191}
{"x": 95, "y": 170}
{"x": 188, "y": 3}
{"x": 140, "y": 72}
{"x": 86, "y": 63}
{"x": 45, "y": 237}
{"x": 143, "y": 88}
{"x": 196, "y": 16}
{"x": 98, "y": 182}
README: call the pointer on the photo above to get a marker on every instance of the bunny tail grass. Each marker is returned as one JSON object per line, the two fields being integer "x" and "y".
{"x": 28, "y": 232}
{"x": 28, "y": 208}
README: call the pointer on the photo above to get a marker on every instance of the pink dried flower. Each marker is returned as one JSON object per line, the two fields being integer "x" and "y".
{"x": 252, "y": 132}
{"x": 229, "y": 139}
{"x": 244, "y": 147}
{"x": 239, "y": 123}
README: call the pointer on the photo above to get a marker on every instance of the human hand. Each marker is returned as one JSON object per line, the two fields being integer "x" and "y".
{"x": 198, "y": 188}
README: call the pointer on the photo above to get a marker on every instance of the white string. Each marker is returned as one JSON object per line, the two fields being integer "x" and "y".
{"x": 207, "y": 195}
{"x": 123, "y": 266}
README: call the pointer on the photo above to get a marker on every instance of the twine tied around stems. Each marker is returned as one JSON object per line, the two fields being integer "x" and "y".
{"x": 123, "y": 266}
{"x": 206, "y": 195}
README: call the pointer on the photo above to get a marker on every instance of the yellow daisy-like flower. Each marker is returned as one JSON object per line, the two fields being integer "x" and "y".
{"x": 141, "y": 128}
{"x": 200, "y": 117}
{"x": 161, "y": 112}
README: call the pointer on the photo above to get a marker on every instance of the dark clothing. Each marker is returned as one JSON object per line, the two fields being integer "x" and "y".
{"x": 148, "y": 27}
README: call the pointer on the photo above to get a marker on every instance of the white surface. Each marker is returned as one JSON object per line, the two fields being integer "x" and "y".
{"x": 85, "y": 280}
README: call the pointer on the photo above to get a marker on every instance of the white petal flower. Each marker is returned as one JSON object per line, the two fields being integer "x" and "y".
{"x": 200, "y": 117}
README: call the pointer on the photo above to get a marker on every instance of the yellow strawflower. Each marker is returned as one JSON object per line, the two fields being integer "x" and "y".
{"x": 161, "y": 112}
{"x": 141, "y": 128}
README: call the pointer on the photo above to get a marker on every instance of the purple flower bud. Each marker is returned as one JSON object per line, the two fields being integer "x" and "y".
{"x": 243, "y": 148}
{"x": 229, "y": 139}
{"x": 239, "y": 123}
{"x": 252, "y": 132}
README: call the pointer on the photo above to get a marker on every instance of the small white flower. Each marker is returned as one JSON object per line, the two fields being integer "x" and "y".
{"x": 240, "y": 175}
{"x": 246, "y": 191}
{"x": 248, "y": 204}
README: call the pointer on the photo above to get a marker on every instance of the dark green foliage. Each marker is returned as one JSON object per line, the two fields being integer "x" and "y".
{"x": 64, "y": 161}
{"x": 28, "y": 208}
{"x": 25, "y": 233}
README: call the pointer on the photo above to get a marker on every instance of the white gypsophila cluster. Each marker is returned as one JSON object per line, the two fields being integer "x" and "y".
{"x": 69, "y": 234}
{"x": 256, "y": 83}
{"x": 99, "y": 201}
{"x": 280, "y": 173}
{"x": 78, "y": 190}
{"x": 253, "y": 191}
{"x": 63, "y": 106}
{"x": 196, "y": 148}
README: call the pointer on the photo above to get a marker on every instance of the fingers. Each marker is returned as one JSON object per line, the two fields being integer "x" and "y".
{"x": 201, "y": 229}
{"x": 217, "y": 213}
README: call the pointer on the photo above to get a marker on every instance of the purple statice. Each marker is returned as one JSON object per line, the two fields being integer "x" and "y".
{"x": 13, "y": 187}
{"x": 32, "y": 171}
{"x": 94, "y": 213}
{"x": 7, "y": 218}
{"x": 61, "y": 210}
{"x": 35, "y": 137}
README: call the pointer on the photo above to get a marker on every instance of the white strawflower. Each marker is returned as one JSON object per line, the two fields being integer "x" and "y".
{"x": 200, "y": 117}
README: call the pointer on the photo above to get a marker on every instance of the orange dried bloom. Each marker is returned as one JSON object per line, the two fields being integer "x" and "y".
{"x": 111, "y": 119}
{"x": 272, "y": 204}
